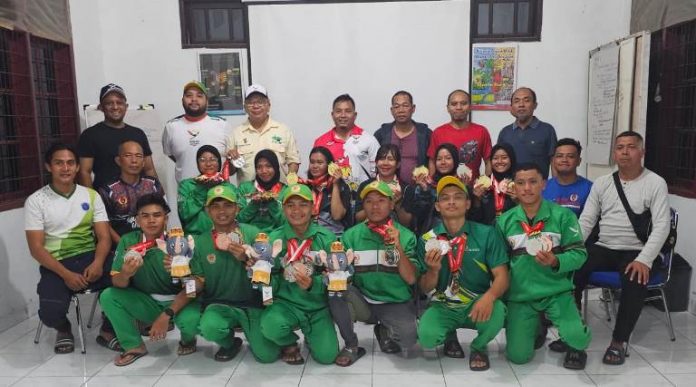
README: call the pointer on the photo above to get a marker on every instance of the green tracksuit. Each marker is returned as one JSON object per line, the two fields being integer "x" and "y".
{"x": 267, "y": 216}
{"x": 535, "y": 288}
{"x": 295, "y": 307}
{"x": 150, "y": 292}
{"x": 228, "y": 299}
{"x": 484, "y": 251}
{"x": 191, "y": 205}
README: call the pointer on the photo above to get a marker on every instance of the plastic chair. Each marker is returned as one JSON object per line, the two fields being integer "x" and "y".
{"x": 609, "y": 281}
{"x": 76, "y": 300}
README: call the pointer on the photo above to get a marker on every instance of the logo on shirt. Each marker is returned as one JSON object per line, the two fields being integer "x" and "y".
{"x": 85, "y": 206}
{"x": 122, "y": 201}
{"x": 211, "y": 258}
{"x": 276, "y": 139}
{"x": 468, "y": 152}
{"x": 573, "y": 197}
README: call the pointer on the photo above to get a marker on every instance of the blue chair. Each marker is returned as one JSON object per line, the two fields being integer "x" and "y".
{"x": 610, "y": 281}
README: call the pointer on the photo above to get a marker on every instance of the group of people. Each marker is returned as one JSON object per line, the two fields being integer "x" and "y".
{"x": 399, "y": 229}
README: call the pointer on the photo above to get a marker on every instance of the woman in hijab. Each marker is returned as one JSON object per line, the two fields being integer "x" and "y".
{"x": 489, "y": 202}
{"x": 259, "y": 198}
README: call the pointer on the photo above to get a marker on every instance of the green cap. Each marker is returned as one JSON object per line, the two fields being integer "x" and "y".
{"x": 300, "y": 190}
{"x": 378, "y": 186}
{"x": 197, "y": 85}
{"x": 225, "y": 191}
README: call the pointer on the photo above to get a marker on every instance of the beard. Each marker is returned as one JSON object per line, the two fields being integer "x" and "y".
{"x": 196, "y": 112}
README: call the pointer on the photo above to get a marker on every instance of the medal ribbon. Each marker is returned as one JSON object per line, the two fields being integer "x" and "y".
{"x": 143, "y": 246}
{"x": 498, "y": 196}
{"x": 455, "y": 262}
{"x": 295, "y": 252}
{"x": 381, "y": 229}
{"x": 226, "y": 169}
{"x": 318, "y": 184}
{"x": 532, "y": 230}
{"x": 275, "y": 189}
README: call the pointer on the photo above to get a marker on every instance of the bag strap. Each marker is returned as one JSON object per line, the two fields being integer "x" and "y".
{"x": 631, "y": 215}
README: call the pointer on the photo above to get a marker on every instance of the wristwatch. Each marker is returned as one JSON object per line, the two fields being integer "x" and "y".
{"x": 169, "y": 312}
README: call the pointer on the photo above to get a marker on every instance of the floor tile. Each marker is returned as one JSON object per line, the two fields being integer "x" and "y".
{"x": 335, "y": 380}
{"x": 545, "y": 362}
{"x": 499, "y": 365}
{"x": 361, "y": 367}
{"x": 122, "y": 380}
{"x": 674, "y": 362}
{"x": 630, "y": 380}
{"x": 635, "y": 365}
{"x": 6, "y": 381}
{"x": 426, "y": 364}
{"x": 155, "y": 363}
{"x": 682, "y": 380}
{"x": 555, "y": 380}
{"x": 74, "y": 364}
{"x": 248, "y": 366}
{"x": 483, "y": 379}
{"x": 264, "y": 380}
{"x": 20, "y": 364}
{"x": 202, "y": 362}
{"x": 51, "y": 381}
{"x": 192, "y": 380}
{"x": 401, "y": 380}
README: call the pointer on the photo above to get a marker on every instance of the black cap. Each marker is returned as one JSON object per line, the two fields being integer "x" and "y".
{"x": 111, "y": 88}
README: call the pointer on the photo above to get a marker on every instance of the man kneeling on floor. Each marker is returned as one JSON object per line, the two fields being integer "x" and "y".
{"x": 546, "y": 248}
{"x": 143, "y": 289}
{"x": 464, "y": 296}
{"x": 384, "y": 273}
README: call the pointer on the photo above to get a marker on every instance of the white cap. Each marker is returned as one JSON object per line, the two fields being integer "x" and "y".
{"x": 255, "y": 89}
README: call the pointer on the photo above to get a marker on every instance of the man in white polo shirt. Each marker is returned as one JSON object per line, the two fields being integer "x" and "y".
{"x": 61, "y": 222}
{"x": 259, "y": 132}
{"x": 184, "y": 134}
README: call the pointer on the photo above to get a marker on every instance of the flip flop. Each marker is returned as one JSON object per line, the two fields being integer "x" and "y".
{"x": 112, "y": 344}
{"x": 291, "y": 355}
{"x": 128, "y": 358}
{"x": 186, "y": 348}
{"x": 575, "y": 360}
{"x": 65, "y": 343}
{"x": 477, "y": 356}
{"x": 614, "y": 352}
{"x": 559, "y": 346}
{"x": 227, "y": 354}
{"x": 453, "y": 349}
{"x": 352, "y": 354}
{"x": 386, "y": 344}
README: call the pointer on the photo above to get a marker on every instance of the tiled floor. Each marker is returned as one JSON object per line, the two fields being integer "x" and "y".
{"x": 654, "y": 361}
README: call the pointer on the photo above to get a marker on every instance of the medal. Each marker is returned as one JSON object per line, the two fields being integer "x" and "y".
{"x": 239, "y": 162}
{"x": 294, "y": 261}
{"x": 536, "y": 241}
{"x": 437, "y": 244}
{"x": 391, "y": 253}
{"x": 455, "y": 261}
{"x": 454, "y": 284}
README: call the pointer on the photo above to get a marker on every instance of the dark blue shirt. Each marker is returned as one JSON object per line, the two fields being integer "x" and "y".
{"x": 571, "y": 196}
{"x": 536, "y": 143}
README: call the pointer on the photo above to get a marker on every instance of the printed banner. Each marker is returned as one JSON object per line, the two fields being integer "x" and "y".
{"x": 493, "y": 77}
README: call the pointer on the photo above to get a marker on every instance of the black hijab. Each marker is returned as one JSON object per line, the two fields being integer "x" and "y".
{"x": 209, "y": 149}
{"x": 507, "y": 148}
{"x": 455, "y": 159}
{"x": 271, "y": 157}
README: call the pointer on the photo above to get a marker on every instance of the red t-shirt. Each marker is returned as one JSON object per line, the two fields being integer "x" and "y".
{"x": 335, "y": 144}
{"x": 473, "y": 142}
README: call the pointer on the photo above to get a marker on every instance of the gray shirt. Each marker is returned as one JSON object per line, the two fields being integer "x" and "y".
{"x": 648, "y": 191}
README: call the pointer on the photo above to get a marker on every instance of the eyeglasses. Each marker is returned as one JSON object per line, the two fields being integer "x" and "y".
{"x": 207, "y": 160}
{"x": 255, "y": 103}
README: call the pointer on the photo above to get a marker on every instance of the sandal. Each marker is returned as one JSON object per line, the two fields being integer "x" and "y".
{"x": 453, "y": 349}
{"x": 65, "y": 343}
{"x": 112, "y": 344}
{"x": 559, "y": 346}
{"x": 386, "y": 344}
{"x": 480, "y": 357}
{"x": 540, "y": 338}
{"x": 227, "y": 354}
{"x": 351, "y": 355}
{"x": 614, "y": 355}
{"x": 186, "y": 348}
{"x": 291, "y": 355}
{"x": 575, "y": 360}
{"x": 127, "y": 358}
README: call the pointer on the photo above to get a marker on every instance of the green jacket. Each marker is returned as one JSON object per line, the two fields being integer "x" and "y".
{"x": 151, "y": 277}
{"x": 267, "y": 216}
{"x": 191, "y": 205}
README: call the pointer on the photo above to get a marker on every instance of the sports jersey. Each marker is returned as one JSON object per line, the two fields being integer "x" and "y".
{"x": 473, "y": 143}
{"x": 378, "y": 280}
{"x": 120, "y": 198}
{"x": 572, "y": 196}
{"x": 182, "y": 138}
{"x": 67, "y": 221}
{"x": 359, "y": 151}
{"x": 529, "y": 280}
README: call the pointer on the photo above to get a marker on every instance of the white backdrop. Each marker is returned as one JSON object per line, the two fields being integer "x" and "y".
{"x": 307, "y": 54}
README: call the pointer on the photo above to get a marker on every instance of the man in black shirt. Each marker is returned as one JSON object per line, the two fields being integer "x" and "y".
{"x": 98, "y": 145}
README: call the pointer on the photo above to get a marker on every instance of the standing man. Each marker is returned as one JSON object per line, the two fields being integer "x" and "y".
{"x": 61, "y": 222}
{"x": 120, "y": 195}
{"x": 348, "y": 143}
{"x": 546, "y": 247}
{"x": 619, "y": 248}
{"x": 567, "y": 189}
{"x": 384, "y": 273}
{"x": 472, "y": 140}
{"x": 412, "y": 138}
{"x": 184, "y": 134}
{"x": 98, "y": 144}
{"x": 260, "y": 132}
{"x": 468, "y": 285}
{"x": 533, "y": 140}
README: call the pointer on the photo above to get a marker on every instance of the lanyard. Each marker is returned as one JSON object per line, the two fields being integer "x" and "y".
{"x": 295, "y": 252}
{"x": 382, "y": 229}
{"x": 532, "y": 230}
{"x": 455, "y": 262}
{"x": 498, "y": 196}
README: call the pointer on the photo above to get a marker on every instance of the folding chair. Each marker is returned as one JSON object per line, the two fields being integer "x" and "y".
{"x": 76, "y": 300}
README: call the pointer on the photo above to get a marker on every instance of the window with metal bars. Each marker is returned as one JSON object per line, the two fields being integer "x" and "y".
{"x": 505, "y": 20}
{"x": 37, "y": 108}
{"x": 213, "y": 24}
{"x": 671, "y": 115}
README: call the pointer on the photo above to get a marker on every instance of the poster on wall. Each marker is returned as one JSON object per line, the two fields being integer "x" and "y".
{"x": 221, "y": 73}
{"x": 493, "y": 77}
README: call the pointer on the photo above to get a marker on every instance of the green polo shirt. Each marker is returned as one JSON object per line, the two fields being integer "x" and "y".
{"x": 376, "y": 279}
{"x": 267, "y": 216}
{"x": 314, "y": 298}
{"x": 484, "y": 250}
{"x": 226, "y": 278}
{"x": 529, "y": 280}
{"x": 151, "y": 277}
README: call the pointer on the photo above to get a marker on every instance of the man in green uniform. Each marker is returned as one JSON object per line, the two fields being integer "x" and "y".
{"x": 464, "y": 296}
{"x": 219, "y": 264}
{"x": 546, "y": 248}
{"x": 143, "y": 289}
{"x": 300, "y": 297}
{"x": 385, "y": 271}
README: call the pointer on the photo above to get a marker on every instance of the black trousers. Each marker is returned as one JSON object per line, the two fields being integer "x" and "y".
{"x": 54, "y": 294}
{"x": 632, "y": 293}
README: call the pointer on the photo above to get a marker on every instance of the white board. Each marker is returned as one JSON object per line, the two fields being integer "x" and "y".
{"x": 601, "y": 110}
